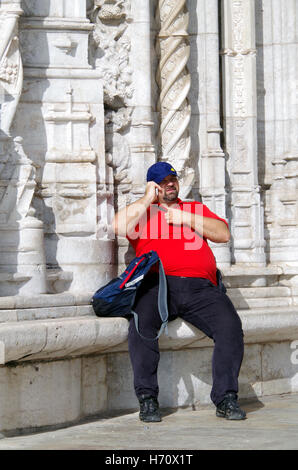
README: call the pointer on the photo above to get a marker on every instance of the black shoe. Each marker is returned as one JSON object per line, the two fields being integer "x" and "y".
{"x": 149, "y": 409}
{"x": 229, "y": 408}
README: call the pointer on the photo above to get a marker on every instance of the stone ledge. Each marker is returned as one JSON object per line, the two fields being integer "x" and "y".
{"x": 59, "y": 338}
{"x": 21, "y": 307}
{"x": 245, "y": 295}
{"x": 45, "y": 313}
{"x": 248, "y": 270}
{"x": 44, "y": 300}
{"x": 72, "y": 337}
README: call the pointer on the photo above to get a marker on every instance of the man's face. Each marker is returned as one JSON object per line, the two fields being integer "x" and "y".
{"x": 170, "y": 189}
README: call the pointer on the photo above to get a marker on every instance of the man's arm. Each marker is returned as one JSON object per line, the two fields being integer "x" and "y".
{"x": 127, "y": 218}
{"x": 213, "y": 229}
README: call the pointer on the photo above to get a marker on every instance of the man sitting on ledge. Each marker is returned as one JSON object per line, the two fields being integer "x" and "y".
{"x": 178, "y": 231}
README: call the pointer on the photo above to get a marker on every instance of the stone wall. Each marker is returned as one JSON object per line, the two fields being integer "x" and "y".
{"x": 92, "y": 92}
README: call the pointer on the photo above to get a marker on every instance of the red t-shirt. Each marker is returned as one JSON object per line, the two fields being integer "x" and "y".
{"x": 181, "y": 249}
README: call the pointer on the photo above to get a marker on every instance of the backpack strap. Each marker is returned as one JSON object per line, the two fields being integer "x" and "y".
{"x": 162, "y": 305}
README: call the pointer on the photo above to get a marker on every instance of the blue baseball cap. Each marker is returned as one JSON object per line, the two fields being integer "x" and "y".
{"x": 160, "y": 170}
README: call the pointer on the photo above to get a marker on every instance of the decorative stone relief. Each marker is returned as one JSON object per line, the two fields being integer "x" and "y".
{"x": 69, "y": 145}
{"x": 68, "y": 132}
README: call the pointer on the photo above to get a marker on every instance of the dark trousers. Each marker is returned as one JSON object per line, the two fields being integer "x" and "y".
{"x": 200, "y": 303}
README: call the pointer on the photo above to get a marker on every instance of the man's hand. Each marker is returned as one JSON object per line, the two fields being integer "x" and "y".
{"x": 212, "y": 229}
{"x": 127, "y": 218}
{"x": 151, "y": 192}
{"x": 175, "y": 216}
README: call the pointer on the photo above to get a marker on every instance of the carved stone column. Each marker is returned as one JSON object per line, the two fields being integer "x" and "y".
{"x": 239, "y": 88}
{"x": 174, "y": 80}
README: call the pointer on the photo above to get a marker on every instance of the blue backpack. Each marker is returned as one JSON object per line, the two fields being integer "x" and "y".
{"x": 116, "y": 298}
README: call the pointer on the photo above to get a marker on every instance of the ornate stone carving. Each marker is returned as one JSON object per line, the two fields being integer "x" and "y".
{"x": 67, "y": 126}
{"x": 117, "y": 148}
{"x": 110, "y": 9}
{"x": 17, "y": 173}
{"x": 110, "y": 48}
{"x": 173, "y": 79}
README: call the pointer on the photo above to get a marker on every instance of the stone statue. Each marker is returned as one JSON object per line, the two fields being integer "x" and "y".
{"x": 16, "y": 196}
{"x": 117, "y": 147}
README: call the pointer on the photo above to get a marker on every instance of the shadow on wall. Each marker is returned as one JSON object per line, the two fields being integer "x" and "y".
{"x": 184, "y": 377}
{"x": 10, "y": 89}
{"x": 9, "y": 228}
